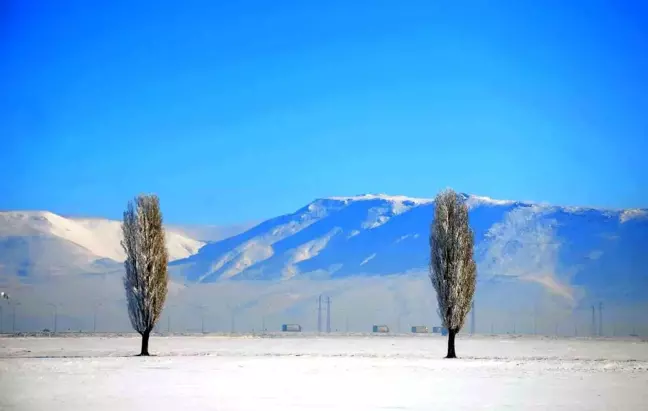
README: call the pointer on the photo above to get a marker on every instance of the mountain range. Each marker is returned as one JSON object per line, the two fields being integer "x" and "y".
{"x": 571, "y": 252}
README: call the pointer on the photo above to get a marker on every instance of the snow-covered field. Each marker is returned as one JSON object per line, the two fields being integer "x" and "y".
{"x": 335, "y": 372}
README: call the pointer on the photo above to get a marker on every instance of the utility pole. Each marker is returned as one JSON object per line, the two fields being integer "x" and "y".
{"x": 55, "y": 316}
{"x": 472, "y": 318}
{"x": 328, "y": 314}
{"x": 346, "y": 324}
{"x": 600, "y": 330}
{"x": 168, "y": 311}
{"x": 593, "y": 321}
{"x": 3, "y": 296}
{"x": 202, "y": 318}
{"x": 13, "y": 325}
{"x": 94, "y": 318}
{"x": 319, "y": 314}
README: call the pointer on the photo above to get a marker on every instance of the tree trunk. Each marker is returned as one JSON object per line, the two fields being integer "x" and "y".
{"x": 145, "y": 341}
{"x": 451, "y": 344}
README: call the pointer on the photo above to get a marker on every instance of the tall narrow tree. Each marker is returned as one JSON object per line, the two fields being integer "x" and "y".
{"x": 146, "y": 279}
{"x": 452, "y": 267}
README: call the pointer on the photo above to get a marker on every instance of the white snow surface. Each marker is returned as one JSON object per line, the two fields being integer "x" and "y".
{"x": 307, "y": 251}
{"x": 358, "y": 372}
{"x": 109, "y": 231}
{"x": 100, "y": 237}
{"x": 260, "y": 248}
{"x": 385, "y": 197}
{"x": 399, "y": 200}
{"x": 242, "y": 257}
{"x": 631, "y": 214}
{"x": 473, "y": 201}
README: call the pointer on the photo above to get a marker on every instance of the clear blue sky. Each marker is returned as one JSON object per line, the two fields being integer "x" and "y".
{"x": 236, "y": 111}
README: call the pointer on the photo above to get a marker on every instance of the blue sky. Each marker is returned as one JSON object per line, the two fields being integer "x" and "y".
{"x": 235, "y": 112}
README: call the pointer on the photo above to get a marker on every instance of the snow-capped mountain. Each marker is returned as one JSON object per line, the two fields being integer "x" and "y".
{"x": 569, "y": 251}
{"x": 564, "y": 249}
{"x": 40, "y": 242}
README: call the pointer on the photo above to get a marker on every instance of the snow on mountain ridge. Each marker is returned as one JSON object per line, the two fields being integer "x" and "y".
{"x": 385, "y": 197}
{"x": 178, "y": 245}
{"x": 473, "y": 200}
{"x": 633, "y": 213}
{"x": 402, "y": 203}
{"x": 45, "y": 223}
{"x": 100, "y": 237}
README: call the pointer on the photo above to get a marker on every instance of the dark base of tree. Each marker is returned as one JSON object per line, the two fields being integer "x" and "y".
{"x": 145, "y": 342}
{"x": 451, "y": 344}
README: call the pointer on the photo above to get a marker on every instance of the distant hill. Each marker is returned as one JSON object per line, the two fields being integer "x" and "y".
{"x": 37, "y": 243}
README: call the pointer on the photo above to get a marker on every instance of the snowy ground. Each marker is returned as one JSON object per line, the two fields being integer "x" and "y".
{"x": 341, "y": 373}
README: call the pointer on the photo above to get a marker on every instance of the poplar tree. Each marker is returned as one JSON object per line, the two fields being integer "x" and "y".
{"x": 453, "y": 272}
{"x": 146, "y": 278}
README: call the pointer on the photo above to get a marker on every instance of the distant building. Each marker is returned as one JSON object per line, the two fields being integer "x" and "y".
{"x": 291, "y": 328}
{"x": 436, "y": 330}
{"x": 380, "y": 329}
{"x": 420, "y": 329}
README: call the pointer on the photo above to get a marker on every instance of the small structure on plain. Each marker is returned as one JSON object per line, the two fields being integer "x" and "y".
{"x": 295, "y": 328}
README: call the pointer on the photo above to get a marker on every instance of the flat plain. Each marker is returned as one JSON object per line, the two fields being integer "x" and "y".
{"x": 303, "y": 372}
